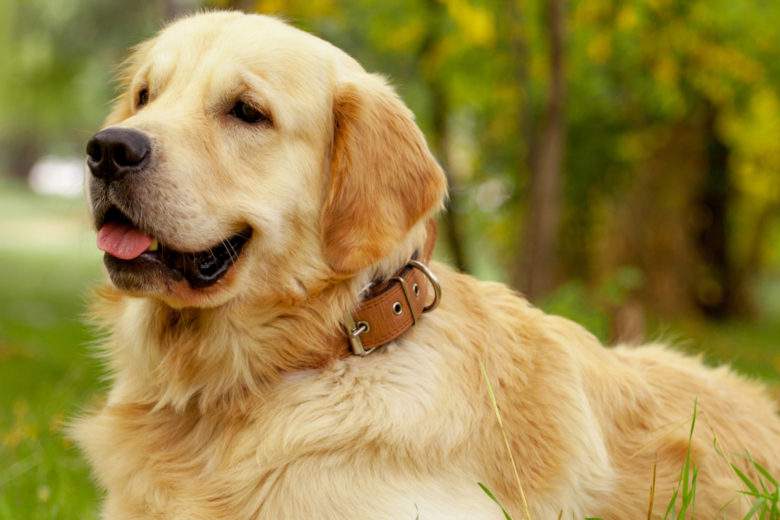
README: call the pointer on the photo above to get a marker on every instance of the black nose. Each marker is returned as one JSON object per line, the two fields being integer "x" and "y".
{"x": 114, "y": 152}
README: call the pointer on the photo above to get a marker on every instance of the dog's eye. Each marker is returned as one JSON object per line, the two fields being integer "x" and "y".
{"x": 248, "y": 113}
{"x": 143, "y": 97}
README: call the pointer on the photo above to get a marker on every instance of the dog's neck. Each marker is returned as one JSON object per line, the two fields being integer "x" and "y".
{"x": 222, "y": 357}
{"x": 217, "y": 357}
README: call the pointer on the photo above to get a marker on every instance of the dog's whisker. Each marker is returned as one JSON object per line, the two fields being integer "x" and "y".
{"x": 232, "y": 252}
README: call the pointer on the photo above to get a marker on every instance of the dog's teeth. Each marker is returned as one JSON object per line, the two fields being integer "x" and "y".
{"x": 154, "y": 245}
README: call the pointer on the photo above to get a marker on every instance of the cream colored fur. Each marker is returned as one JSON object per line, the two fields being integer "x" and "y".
{"x": 230, "y": 403}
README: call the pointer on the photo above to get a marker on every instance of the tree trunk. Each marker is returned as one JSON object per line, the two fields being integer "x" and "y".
{"x": 518, "y": 45}
{"x": 542, "y": 221}
{"x": 451, "y": 218}
{"x": 717, "y": 290}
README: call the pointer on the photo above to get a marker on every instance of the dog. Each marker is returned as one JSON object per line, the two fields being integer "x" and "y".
{"x": 264, "y": 206}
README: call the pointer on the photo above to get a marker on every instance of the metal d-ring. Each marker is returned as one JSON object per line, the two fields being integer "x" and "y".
{"x": 434, "y": 283}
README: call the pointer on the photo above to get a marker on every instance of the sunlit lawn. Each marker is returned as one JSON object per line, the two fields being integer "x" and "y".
{"x": 48, "y": 261}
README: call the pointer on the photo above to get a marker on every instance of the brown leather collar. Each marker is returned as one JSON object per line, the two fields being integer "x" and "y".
{"x": 393, "y": 306}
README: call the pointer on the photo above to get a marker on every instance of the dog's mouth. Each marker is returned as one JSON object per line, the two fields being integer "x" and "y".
{"x": 129, "y": 250}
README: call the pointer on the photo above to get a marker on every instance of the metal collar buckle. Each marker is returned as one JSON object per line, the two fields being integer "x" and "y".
{"x": 356, "y": 329}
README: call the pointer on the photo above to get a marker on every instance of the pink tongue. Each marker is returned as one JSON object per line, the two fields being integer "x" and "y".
{"x": 122, "y": 241}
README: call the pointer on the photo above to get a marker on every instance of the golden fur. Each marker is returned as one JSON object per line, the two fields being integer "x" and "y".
{"x": 217, "y": 410}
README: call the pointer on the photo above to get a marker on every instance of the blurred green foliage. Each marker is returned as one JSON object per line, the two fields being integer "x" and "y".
{"x": 57, "y": 61}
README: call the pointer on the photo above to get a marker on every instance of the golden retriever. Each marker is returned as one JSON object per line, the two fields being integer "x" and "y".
{"x": 249, "y": 183}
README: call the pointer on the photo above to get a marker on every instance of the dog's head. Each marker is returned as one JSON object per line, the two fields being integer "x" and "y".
{"x": 246, "y": 155}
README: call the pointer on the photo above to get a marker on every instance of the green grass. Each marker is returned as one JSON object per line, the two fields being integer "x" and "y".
{"x": 685, "y": 490}
{"x": 47, "y": 374}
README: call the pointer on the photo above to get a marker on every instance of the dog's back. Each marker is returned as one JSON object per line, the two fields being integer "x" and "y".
{"x": 600, "y": 424}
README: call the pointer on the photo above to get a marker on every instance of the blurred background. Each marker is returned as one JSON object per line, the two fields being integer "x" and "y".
{"x": 617, "y": 161}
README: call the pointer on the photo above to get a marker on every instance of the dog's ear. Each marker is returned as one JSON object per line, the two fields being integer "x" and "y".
{"x": 384, "y": 178}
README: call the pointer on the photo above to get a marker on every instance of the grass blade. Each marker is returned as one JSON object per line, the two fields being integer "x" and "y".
{"x": 494, "y": 499}
{"x": 763, "y": 471}
{"x": 758, "y": 504}
{"x": 652, "y": 493}
{"x": 670, "y": 509}
{"x": 506, "y": 440}
{"x": 749, "y": 483}
{"x": 686, "y": 485}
